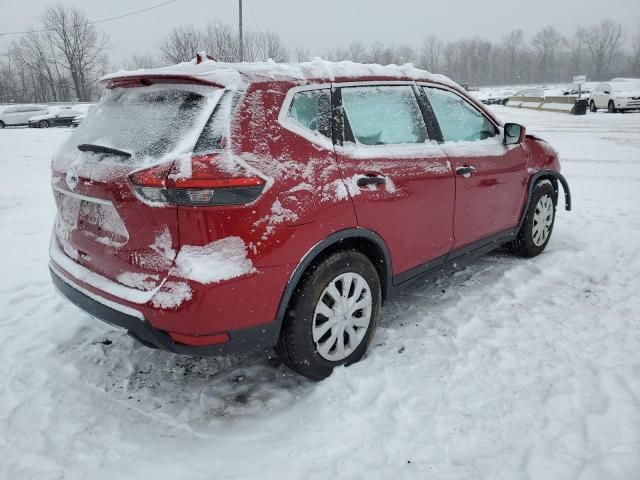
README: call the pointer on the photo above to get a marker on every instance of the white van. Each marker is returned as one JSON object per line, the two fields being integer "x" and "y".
{"x": 20, "y": 114}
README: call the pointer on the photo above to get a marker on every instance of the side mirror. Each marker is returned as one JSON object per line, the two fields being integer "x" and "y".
{"x": 514, "y": 133}
{"x": 607, "y": 92}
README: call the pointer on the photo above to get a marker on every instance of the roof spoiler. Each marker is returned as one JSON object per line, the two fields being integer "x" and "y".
{"x": 129, "y": 81}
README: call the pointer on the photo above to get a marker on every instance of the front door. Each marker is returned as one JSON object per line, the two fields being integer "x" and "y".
{"x": 491, "y": 178}
{"x": 400, "y": 181}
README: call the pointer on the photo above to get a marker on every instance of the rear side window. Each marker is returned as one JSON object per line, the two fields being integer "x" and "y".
{"x": 384, "y": 115}
{"x": 311, "y": 109}
{"x": 217, "y": 129}
{"x": 459, "y": 121}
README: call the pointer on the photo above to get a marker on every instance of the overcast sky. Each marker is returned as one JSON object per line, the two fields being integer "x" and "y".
{"x": 325, "y": 24}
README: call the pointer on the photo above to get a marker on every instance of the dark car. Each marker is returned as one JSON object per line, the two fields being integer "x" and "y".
{"x": 59, "y": 118}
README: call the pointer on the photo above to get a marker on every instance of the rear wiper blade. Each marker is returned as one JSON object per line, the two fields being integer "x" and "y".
{"x": 88, "y": 147}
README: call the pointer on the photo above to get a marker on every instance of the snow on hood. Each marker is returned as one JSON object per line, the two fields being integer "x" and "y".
{"x": 238, "y": 75}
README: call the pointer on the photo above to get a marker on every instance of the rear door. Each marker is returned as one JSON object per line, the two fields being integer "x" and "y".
{"x": 12, "y": 115}
{"x": 490, "y": 177}
{"x": 400, "y": 181}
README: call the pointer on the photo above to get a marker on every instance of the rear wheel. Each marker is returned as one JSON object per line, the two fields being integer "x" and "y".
{"x": 592, "y": 106}
{"x": 1, "y": 124}
{"x": 536, "y": 230}
{"x": 332, "y": 315}
{"x": 43, "y": 124}
{"x": 612, "y": 107}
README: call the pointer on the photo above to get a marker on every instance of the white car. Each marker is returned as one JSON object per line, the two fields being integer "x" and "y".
{"x": 619, "y": 94}
{"x": 15, "y": 115}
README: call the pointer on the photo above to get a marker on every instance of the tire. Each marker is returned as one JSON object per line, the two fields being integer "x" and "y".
{"x": 611, "y": 108}
{"x": 305, "y": 319}
{"x": 538, "y": 223}
{"x": 2, "y": 124}
{"x": 592, "y": 107}
{"x": 43, "y": 124}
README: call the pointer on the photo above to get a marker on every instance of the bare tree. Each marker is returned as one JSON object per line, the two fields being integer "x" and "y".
{"x": 357, "y": 52}
{"x": 221, "y": 41}
{"x": 513, "y": 44}
{"x": 79, "y": 47}
{"x": 431, "y": 54}
{"x": 182, "y": 44}
{"x": 303, "y": 54}
{"x": 577, "y": 48}
{"x": 547, "y": 43}
{"x": 405, "y": 54}
{"x": 603, "y": 41}
{"x": 264, "y": 46}
{"x": 634, "y": 56}
{"x": 380, "y": 54}
{"x": 141, "y": 61}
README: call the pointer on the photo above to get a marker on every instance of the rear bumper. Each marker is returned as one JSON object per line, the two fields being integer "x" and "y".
{"x": 134, "y": 323}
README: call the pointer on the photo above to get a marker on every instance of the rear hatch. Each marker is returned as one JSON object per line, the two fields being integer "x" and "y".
{"x": 102, "y": 223}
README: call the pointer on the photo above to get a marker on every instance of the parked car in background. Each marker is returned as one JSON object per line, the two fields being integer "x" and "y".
{"x": 58, "y": 118}
{"x": 78, "y": 119}
{"x": 530, "y": 93}
{"x": 618, "y": 95}
{"x": 18, "y": 115}
{"x": 498, "y": 97}
{"x": 210, "y": 208}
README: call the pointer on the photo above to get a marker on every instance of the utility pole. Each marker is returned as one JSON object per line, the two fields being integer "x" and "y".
{"x": 240, "y": 36}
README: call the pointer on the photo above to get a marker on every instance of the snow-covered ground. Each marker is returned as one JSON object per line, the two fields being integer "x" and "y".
{"x": 511, "y": 369}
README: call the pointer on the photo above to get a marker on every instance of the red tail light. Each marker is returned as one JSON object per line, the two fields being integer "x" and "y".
{"x": 207, "y": 184}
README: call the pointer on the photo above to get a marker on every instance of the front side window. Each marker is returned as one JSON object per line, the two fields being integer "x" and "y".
{"x": 311, "y": 109}
{"x": 384, "y": 115}
{"x": 459, "y": 121}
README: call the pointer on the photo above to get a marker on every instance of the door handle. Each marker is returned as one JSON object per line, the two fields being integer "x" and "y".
{"x": 466, "y": 171}
{"x": 370, "y": 180}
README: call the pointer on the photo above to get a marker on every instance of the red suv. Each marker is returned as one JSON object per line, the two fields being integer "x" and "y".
{"x": 209, "y": 208}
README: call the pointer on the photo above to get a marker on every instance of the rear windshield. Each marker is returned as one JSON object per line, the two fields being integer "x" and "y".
{"x": 146, "y": 122}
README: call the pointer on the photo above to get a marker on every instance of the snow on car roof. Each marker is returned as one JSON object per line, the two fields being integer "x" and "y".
{"x": 239, "y": 75}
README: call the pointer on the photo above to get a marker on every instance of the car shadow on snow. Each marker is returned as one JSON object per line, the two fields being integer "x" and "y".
{"x": 195, "y": 391}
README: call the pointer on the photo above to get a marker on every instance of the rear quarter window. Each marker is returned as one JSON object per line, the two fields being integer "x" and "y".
{"x": 311, "y": 109}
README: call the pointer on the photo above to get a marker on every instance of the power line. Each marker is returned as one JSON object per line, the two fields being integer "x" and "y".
{"x": 253, "y": 15}
{"x": 109, "y": 19}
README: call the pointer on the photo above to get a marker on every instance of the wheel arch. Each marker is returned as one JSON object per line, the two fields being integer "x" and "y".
{"x": 555, "y": 178}
{"x": 362, "y": 240}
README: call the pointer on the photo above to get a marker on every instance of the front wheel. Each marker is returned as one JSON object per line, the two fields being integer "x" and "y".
{"x": 592, "y": 107}
{"x": 539, "y": 219}
{"x": 332, "y": 315}
{"x": 2, "y": 124}
{"x": 612, "y": 107}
